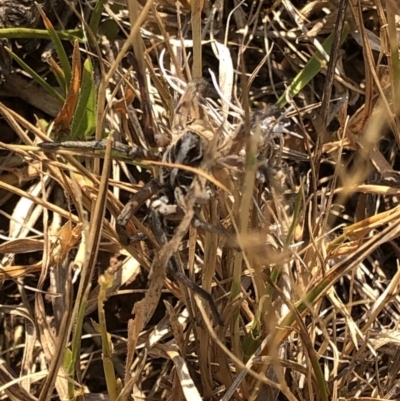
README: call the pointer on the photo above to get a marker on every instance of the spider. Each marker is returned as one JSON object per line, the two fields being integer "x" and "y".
{"x": 175, "y": 194}
{"x": 178, "y": 191}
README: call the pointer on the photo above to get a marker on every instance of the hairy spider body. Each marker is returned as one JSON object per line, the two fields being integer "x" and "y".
{"x": 187, "y": 150}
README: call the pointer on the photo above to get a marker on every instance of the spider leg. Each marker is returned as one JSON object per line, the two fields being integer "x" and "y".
{"x": 174, "y": 212}
{"x": 137, "y": 200}
{"x": 199, "y": 223}
{"x": 133, "y": 152}
{"x": 185, "y": 280}
{"x": 174, "y": 269}
{"x": 131, "y": 207}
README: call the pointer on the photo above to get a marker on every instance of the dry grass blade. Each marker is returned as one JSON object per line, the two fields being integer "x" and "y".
{"x": 238, "y": 200}
{"x": 188, "y": 387}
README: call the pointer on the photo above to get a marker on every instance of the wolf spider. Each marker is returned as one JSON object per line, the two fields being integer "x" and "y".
{"x": 169, "y": 194}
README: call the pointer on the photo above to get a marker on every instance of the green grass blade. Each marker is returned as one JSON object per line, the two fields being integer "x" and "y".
{"x": 28, "y": 33}
{"x": 105, "y": 282}
{"x": 67, "y": 361}
{"x": 62, "y": 54}
{"x": 84, "y": 121}
{"x": 297, "y": 213}
{"x": 76, "y": 346}
{"x": 36, "y": 77}
{"x": 253, "y": 340}
{"x": 311, "y": 69}
{"x": 58, "y": 73}
{"x": 96, "y": 16}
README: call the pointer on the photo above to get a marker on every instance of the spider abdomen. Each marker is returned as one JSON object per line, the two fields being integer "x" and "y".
{"x": 187, "y": 150}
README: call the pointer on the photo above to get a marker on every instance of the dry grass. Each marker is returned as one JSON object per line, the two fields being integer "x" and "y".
{"x": 308, "y": 191}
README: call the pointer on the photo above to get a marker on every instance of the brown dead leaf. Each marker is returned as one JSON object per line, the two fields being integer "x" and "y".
{"x": 15, "y": 271}
{"x": 67, "y": 239}
{"x": 64, "y": 118}
{"x": 120, "y": 105}
{"x": 22, "y": 245}
{"x": 55, "y": 67}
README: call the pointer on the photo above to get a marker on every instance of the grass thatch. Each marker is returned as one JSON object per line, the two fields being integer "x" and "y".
{"x": 300, "y": 119}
